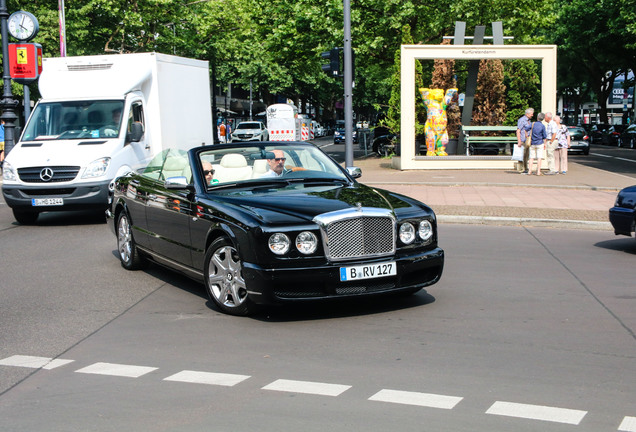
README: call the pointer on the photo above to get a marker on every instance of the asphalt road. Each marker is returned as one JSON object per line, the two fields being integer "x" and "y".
{"x": 529, "y": 330}
{"x": 613, "y": 159}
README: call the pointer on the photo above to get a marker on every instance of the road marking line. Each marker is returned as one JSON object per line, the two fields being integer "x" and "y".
{"x": 628, "y": 424}
{"x": 308, "y": 387}
{"x": 613, "y": 157}
{"x": 211, "y": 378}
{"x": 415, "y": 398}
{"x": 34, "y": 362}
{"x": 537, "y": 412}
{"x": 117, "y": 370}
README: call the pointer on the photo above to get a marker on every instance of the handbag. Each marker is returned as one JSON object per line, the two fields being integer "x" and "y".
{"x": 529, "y": 138}
{"x": 517, "y": 153}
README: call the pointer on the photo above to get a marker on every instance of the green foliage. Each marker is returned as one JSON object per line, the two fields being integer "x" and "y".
{"x": 276, "y": 44}
{"x": 523, "y": 88}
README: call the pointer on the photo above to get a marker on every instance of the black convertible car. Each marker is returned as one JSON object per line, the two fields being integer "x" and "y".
{"x": 273, "y": 222}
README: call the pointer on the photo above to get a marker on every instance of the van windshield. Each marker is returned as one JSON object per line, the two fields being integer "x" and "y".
{"x": 75, "y": 120}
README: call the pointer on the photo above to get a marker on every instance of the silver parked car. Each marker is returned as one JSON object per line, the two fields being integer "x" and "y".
{"x": 250, "y": 131}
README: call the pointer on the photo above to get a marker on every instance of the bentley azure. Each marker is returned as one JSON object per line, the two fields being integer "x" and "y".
{"x": 270, "y": 223}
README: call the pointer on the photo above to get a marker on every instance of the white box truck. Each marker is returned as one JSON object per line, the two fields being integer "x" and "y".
{"x": 99, "y": 118}
{"x": 283, "y": 123}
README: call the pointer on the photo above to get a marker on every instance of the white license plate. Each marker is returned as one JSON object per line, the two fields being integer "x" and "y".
{"x": 368, "y": 271}
{"x": 35, "y": 202}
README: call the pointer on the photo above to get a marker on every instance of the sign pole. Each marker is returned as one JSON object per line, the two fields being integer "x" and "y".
{"x": 8, "y": 104}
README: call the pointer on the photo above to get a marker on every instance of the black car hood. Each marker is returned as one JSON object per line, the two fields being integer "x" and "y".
{"x": 300, "y": 204}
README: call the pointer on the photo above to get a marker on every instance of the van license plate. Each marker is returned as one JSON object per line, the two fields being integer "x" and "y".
{"x": 368, "y": 271}
{"x": 36, "y": 202}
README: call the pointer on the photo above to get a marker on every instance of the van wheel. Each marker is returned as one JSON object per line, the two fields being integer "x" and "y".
{"x": 25, "y": 217}
{"x": 224, "y": 281}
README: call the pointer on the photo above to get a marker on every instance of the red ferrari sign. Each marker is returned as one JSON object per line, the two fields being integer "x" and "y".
{"x": 25, "y": 62}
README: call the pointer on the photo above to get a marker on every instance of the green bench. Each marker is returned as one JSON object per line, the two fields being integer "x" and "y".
{"x": 488, "y": 145}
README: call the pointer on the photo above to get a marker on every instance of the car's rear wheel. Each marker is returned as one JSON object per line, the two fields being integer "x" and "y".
{"x": 224, "y": 280}
{"x": 25, "y": 217}
{"x": 128, "y": 253}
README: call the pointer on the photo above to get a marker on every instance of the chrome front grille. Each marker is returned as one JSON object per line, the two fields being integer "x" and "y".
{"x": 357, "y": 233}
{"x": 53, "y": 174}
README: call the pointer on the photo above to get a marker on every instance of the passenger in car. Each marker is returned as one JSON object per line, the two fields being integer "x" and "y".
{"x": 208, "y": 172}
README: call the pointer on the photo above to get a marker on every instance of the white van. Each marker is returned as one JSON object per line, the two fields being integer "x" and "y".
{"x": 99, "y": 118}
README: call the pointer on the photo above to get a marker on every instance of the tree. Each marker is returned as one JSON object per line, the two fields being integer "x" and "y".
{"x": 523, "y": 88}
{"x": 589, "y": 34}
{"x": 393, "y": 117}
{"x": 490, "y": 99}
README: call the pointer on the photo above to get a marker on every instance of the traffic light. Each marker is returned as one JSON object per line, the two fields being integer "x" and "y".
{"x": 333, "y": 67}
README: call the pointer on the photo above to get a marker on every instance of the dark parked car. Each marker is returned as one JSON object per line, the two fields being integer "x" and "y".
{"x": 623, "y": 214}
{"x": 596, "y": 133}
{"x": 579, "y": 141}
{"x": 605, "y": 134}
{"x": 628, "y": 137}
{"x": 253, "y": 237}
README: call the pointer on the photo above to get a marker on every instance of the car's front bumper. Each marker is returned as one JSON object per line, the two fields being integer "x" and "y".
{"x": 280, "y": 285}
{"x": 579, "y": 146}
{"x": 622, "y": 220}
{"x": 74, "y": 196}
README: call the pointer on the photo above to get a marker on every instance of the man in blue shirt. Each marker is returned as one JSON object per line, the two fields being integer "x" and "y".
{"x": 523, "y": 130}
{"x": 537, "y": 143}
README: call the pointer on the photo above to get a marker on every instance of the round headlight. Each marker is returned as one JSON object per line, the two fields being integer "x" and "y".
{"x": 407, "y": 233}
{"x": 306, "y": 242}
{"x": 279, "y": 243}
{"x": 425, "y": 230}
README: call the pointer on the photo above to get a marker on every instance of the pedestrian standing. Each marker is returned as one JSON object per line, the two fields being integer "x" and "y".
{"x": 222, "y": 131}
{"x": 563, "y": 144}
{"x": 524, "y": 124}
{"x": 551, "y": 143}
{"x": 537, "y": 143}
{"x": 228, "y": 130}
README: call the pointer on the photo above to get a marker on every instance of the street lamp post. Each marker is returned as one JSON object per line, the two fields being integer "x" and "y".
{"x": 348, "y": 85}
{"x": 8, "y": 104}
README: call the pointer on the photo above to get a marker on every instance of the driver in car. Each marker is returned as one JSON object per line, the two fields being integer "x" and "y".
{"x": 276, "y": 165}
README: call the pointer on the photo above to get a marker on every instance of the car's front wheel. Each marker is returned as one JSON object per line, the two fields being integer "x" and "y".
{"x": 224, "y": 279}
{"x": 126, "y": 246}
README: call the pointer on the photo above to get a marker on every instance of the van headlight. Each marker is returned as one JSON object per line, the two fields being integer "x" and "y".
{"x": 8, "y": 173}
{"x": 97, "y": 168}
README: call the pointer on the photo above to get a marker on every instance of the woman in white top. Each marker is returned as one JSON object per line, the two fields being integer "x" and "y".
{"x": 561, "y": 152}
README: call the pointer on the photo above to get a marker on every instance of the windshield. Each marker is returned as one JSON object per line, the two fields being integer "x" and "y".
{"x": 255, "y": 164}
{"x": 75, "y": 120}
{"x": 248, "y": 126}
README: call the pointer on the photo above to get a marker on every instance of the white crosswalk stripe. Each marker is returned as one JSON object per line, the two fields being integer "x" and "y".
{"x": 628, "y": 425}
{"x": 307, "y": 387}
{"x": 212, "y": 378}
{"x": 34, "y": 362}
{"x": 414, "y": 398}
{"x": 537, "y": 412}
{"x": 113, "y": 369}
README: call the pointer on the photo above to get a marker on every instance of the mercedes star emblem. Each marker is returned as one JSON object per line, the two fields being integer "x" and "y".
{"x": 46, "y": 174}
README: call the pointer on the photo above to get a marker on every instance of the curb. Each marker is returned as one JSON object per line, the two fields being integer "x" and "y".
{"x": 526, "y": 222}
{"x": 538, "y": 186}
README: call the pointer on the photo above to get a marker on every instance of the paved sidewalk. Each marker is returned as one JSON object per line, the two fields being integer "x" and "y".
{"x": 579, "y": 199}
